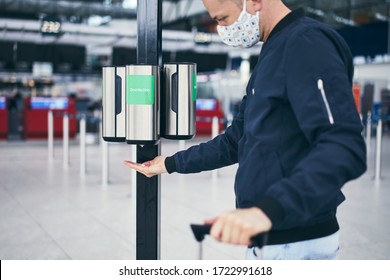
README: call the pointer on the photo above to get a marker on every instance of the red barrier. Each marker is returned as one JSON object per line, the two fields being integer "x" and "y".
{"x": 3, "y": 119}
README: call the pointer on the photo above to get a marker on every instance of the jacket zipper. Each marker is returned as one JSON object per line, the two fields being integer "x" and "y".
{"x": 322, "y": 90}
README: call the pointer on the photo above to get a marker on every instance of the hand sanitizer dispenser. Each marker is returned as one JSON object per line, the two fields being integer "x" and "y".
{"x": 142, "y": 104}
{"x": 113, "y": 104}
{"x": 179, "y": 101}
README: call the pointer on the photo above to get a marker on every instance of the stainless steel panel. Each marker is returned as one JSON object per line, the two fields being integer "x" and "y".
{"x": 108, "y": 99}
{"x": 192, "y": 114}
{"x": 170, "y": 116}
{"x": 113, "y": 99}
{"x": 121, "y": 117}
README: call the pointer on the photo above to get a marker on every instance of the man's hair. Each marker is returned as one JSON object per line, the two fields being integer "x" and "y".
{"x": 239, "y": 3}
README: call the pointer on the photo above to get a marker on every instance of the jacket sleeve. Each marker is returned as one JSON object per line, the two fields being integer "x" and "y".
{"x": 218, "y": 152}
{"x": 329, "y": 120}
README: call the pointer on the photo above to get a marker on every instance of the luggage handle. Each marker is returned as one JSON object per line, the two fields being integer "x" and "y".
{"x": 200, "y": 231}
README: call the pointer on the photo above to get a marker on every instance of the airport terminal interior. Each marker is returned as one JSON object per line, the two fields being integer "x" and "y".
{"x": 65, "y": 193}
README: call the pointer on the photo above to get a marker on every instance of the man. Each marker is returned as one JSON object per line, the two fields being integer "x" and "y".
{"x": 297, "y": 138}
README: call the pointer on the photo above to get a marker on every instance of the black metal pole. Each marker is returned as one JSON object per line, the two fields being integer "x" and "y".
{"x": 149, "y": 52}
{"x": 388, "y": 31}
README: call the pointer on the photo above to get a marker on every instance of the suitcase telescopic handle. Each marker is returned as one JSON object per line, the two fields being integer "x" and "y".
{"x": 200, "y": 231}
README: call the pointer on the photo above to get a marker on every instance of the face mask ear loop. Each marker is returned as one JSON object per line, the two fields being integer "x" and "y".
{"x": 243, "y": 10}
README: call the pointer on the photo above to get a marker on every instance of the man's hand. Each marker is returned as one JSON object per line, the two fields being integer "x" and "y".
{"x": 149, "y": 168}
{"x": 239, "y": 226}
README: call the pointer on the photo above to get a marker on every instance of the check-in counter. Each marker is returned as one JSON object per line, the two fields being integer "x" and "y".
{"x": 36, "y": 113}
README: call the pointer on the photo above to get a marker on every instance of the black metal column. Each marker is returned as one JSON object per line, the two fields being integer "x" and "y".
{"x": 388, "y": 19}
{"x": 149, "y": 52}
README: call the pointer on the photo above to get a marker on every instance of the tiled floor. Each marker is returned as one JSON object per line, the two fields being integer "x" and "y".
{"x": 47, "y": 212}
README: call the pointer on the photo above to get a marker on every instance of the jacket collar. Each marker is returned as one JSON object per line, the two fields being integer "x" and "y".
{"x": 287, "y": 20}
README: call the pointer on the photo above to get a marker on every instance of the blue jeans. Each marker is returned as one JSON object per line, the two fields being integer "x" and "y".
{"x": 324, "y": 248}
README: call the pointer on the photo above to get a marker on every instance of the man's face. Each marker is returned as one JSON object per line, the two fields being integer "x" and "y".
{"x": 225, "y": 12}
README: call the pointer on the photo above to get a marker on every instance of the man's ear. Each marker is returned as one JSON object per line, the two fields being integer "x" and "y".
{"x": 254, "y": 5}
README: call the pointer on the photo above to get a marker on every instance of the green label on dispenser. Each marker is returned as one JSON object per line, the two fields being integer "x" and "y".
{"x": 194, "y": 87}
{"x": 140, "y": 90}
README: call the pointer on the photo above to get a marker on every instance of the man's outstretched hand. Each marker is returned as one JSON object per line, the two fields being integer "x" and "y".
{"x": 150, "y": 168}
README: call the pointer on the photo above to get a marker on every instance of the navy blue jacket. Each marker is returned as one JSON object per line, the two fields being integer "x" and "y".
{"x": 297, "y": 138}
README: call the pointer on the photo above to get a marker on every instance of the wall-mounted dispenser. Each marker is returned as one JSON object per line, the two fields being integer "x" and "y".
{"x": 179, "y": 101}
{"x": 142, "y": 104}
{"x": 113, "y": 104}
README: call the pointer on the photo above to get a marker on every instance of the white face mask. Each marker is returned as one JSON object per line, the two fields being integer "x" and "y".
{"x": 243, "y": 33}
